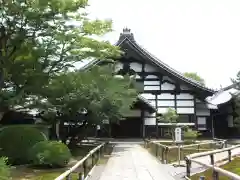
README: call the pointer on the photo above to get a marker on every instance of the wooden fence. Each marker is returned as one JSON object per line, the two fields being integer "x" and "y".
{"x": 94, "y": 155}
{"x": 163, "y": 151}
{"x": 216, "y": 170}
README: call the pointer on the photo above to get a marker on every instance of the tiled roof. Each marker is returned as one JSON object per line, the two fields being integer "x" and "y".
{"x": 128, "y": 36}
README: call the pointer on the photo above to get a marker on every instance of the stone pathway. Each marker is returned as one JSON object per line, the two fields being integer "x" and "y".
{"x": 130, "y": 161}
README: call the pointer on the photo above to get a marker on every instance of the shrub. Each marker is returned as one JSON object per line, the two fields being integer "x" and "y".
{"x": 4, "y": 169}
{"x": 15, "y": 142}
{"x": 50, "y": 153}
{"x": 191, "y": 134}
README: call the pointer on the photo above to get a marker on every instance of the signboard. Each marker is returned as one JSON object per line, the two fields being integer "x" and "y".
{"x": 178, "y": 135}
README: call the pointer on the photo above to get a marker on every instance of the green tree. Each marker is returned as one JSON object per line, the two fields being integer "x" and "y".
{"x": 41, "y": 39}
{"x": 195, "y": 77}
{"x": 96, "y": 90}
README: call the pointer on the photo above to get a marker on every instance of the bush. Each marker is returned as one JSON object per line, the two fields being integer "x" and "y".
{"x": 50, "y": 153}
{"x": 191, "y": 134}
{"x": 4, "y": 169}
{"x": 15, "y": 142}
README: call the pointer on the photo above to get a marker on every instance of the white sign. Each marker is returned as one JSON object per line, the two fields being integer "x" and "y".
{"x": 178, "y": 134}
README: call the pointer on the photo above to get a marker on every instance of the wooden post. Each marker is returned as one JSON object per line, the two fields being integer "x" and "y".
{"x": 229, "y": 155}
{"x": 85, "y": 168}
{"x": 156, "y": 150}
{"x": 188, "y": 167}
{"x": 166, "y": 154}
{"x": 198, "y": 147}
{"x": 99, "y": 154}
{"x": 212, "y": 159}
{"x": 215, "y": 173}
{"x": 162, "y": 155}
{"x": 92, "y": 156}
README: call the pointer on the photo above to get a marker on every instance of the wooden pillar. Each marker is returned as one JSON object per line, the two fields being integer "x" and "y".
{"x": 156, "y": 105}
{"x": 143, "y": 123}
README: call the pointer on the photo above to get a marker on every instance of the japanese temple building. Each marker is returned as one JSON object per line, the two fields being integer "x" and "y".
{"x": 163, "y": 88}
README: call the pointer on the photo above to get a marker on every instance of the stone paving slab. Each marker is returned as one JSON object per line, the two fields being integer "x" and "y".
{"x": 132, "y": 162}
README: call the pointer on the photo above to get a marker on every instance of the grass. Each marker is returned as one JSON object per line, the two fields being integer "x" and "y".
{"x": 26, "y": 173}
{"x": 30, "y": 173}
{"x": 233, "y": 166}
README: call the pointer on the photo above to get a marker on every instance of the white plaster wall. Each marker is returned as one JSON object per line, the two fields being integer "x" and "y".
{"x": 150, "y": 121}
{"x": 118, "y": 66}
{"x": 184, "y": 96}
{"x": 152, "y": 83}
{"x": 168, "y": 79}
{"x": 185, "y": 103}
{"x": 152, "y": 88}
{"x": 166, "y": 103}
{"x": 150, "y": 68}
{"x": 137, "y": 67}
{"x": 185, "y": 110}
{"x": 148, "y": 95}
{"x": 162, "y": 110}
{"x": 167, "y": 86}
{"x": 184, "y": 87}
{"x": 151, "y": 77}
{"x": 165, "y": 96}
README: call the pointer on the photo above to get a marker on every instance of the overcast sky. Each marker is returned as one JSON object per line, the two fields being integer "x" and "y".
{"x": 200, "y": 36}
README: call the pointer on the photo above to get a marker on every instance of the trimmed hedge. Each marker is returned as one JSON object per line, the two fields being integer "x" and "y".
{"x": 50, "y": 153}
{"x": 16, "y": 141}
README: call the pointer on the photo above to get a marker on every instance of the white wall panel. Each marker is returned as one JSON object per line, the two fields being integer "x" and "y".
{"x": 166, "y": 96}
{"x": 151, "y": 77}
{"x": 152, "y": 88}
{"x": 184, "y": 87}
{"x": 202, "y": 112}
{"x": 148, "y": 95}
{"x": 118, "y": 66}
{"x": 167, "y": 86}
{"x": 150, "y": 68}
{"x": 152, "y": 102}
{"x": 152, "y": 82}
{"x": 185, "y": 110}
{"x": 185, "y": 103}
{"x": 150, "y": 121}
{"x": 184, "y": 96}
{"x": 137, "y": 67}
{"x": 138, "y": 77}
{"x": 166, "y": 103}
{"x": 162, "y": 110}
{"x": 168, "y": 79}
{"x": 202, "y": 122}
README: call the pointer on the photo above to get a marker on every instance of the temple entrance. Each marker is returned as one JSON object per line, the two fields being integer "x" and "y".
{"x": 128, "y": 128}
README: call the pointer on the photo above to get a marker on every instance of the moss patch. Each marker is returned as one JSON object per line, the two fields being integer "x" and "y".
{"x": 233, "y": 167}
